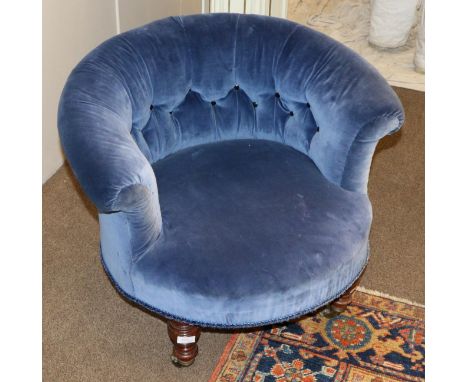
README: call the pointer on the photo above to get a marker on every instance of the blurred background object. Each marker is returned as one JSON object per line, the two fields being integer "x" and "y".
{"x": 419, "y": 60}
{"x": 353, "y": 22}
{"x": 391, "y": 22}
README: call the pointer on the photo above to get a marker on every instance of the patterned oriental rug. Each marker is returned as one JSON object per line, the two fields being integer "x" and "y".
{"x": 378, "y": 339}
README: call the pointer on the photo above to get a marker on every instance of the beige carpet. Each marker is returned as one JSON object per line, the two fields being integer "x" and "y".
{"x": 91, "y": 334}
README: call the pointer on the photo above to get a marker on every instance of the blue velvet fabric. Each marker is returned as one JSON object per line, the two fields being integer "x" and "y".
{"x": 186, "y": 81}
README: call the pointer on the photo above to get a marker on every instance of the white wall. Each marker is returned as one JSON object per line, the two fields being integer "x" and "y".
{"x": 71, "y": 28}
{"x": 133, "y": 13}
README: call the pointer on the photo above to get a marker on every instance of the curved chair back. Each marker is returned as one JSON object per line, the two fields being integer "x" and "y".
{"x": 184, "y": 81}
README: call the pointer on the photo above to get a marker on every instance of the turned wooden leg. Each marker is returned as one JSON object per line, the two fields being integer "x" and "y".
{"x": 339, "y": 305}
{"x": 184, "y": 338}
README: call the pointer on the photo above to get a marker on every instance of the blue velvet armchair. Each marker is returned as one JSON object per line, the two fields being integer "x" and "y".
{"x": 228, "y": 156}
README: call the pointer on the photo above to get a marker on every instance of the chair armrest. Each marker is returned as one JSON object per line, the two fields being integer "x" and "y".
{"x": 350, "y": 101}
{"x": 94, "y": 121}
{"x": 354, "y": 107}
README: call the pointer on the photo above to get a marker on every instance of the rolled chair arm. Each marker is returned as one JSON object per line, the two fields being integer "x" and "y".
{"x": 94, "y": 120}
{"x": 352, "y": 104}
{"x": 354, "y": 107}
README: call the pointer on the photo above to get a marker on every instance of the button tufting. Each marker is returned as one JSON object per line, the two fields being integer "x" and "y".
{"x": 151, "y": 107}
{"x": 277, "y": 95}
{"x": 170, "y": 112}
{"x": 254, "y": 104}
{"x": 308, "y": 105}
{"x": 213, "y": 103}
{"x": 236, "y": 87}
{"x": 318, "y": 129}
{"x": 291, "y": 113}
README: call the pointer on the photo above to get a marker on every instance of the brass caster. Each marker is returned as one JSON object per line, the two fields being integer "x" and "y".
{"x": 330, "y": 312}
{"x": 178, "y": 363}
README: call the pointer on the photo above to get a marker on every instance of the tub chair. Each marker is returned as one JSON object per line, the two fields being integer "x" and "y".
{"x": 228, "y": 157}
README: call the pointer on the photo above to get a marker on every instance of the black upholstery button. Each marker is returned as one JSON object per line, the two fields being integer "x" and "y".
{"x": 213, "y": 103}
{"x": 291, "y": 113}
{"x": 318, "y": 129}
{"x": 236, "y": 87}
{"x": 254, "y": 104}
{"x": 151, "y": 107}
{"x": 170, "y": 112}
{"x": 308, "y": 105}
{"x": 277, "y": 95}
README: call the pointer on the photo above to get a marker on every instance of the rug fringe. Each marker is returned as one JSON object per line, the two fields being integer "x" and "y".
{"x": 385, "y": 295}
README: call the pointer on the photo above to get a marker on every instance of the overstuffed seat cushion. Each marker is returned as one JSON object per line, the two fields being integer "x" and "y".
{"x": 252, "y": 234}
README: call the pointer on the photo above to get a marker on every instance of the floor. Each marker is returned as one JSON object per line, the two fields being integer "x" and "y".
{"x": 91, "y": 334}
{"x": 348, "y": 22}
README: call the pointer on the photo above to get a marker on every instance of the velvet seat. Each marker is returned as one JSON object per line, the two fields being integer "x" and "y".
{"x": 251, "y": 232}
{"x": 228, "y": 156}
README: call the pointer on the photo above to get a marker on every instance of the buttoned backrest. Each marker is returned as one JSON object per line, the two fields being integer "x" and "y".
{"x": 184, "y": 81}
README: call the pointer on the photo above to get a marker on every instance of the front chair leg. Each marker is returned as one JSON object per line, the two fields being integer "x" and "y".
{"x": 184, "y": 338}
{"x": 339, "y": 305}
